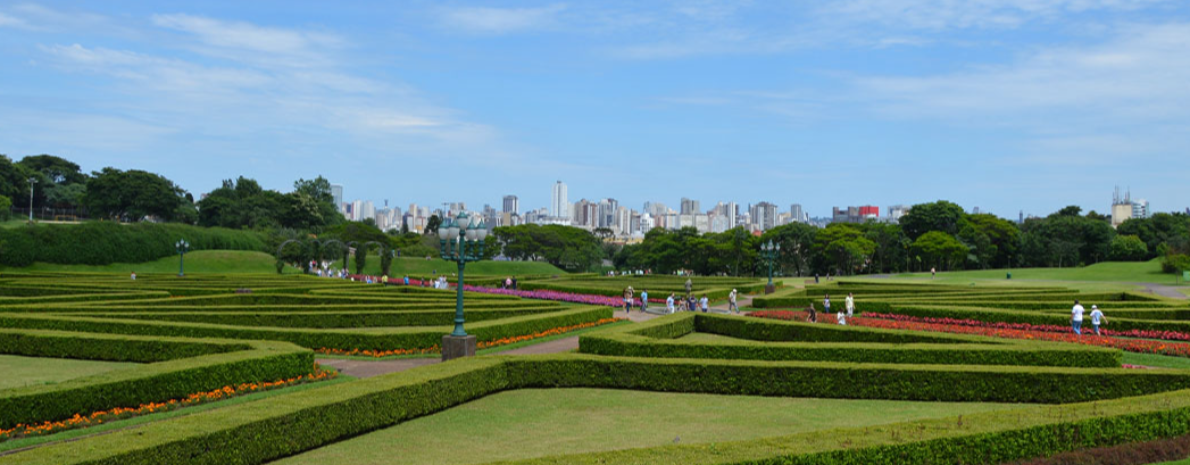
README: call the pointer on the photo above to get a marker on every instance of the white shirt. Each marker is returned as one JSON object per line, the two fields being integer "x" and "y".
{"x": 1078, "y": 312}
{"x": 669, "y": 302}
{"x": 850, "y": 303}
{"x": 826, "y": 303}
{"x": 703, "y": 301}
{"x": 1095, "y": 316}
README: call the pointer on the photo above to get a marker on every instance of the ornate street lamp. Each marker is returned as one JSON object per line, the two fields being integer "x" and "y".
{"x": 462, "y": 241}
{"x": 32, "y": 181}
{"x": 182, "y": 247}
{"x": 769, "y": 252}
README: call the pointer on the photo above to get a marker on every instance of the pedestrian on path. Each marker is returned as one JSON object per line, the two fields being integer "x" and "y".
{"x": 1096, "y": 317}
{"x": 850, "y": 302}
{"x": 704, "y": 303}
{"x": 134, "y": 276}
{"x": 813, "y": 316}
{"x": 933, "y": 271}
{"x": 1076, "y": 318}
{"x": 628, "y": 291}
{"x": 669, "y": 303}
{"x": 644, "y": 300}
{"x": 731, "y": 304}
{"x": 826, "y": 302}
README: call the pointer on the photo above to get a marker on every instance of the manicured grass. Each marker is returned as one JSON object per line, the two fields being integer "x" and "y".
{"x": 17, "y": 371}
{"x": 539, "y": 422}
{"x": 1157, "y": 361}
{"x": 1149, "y": 271}
{"x": 700, "y": 338}
{"x": 1179, "y": 462}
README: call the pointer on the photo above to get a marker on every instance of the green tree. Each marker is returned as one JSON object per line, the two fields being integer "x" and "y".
{"x": 940, "y": 250}
{"x": 132, "y": 195}
{"x": 361, "y": 257}
{"x": 14, "y": 181}
{"x": 432, "y": 224}
{"x": 797, "y": 242}
{"x": 937, "y": 216}
{"x": 1128, "y": 248}
{"x": 5, "y": 208}
{"x": 842, "y": 249}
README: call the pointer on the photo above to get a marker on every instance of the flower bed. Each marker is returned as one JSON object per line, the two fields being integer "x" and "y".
{"x": 119, "y": 413}
{"x": 1135, "y": 333}
{"x": 910, "y": 323}
{"x": 481, "y": 345}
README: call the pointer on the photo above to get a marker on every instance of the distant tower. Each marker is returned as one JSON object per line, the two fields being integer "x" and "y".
{"x": 1121, "y": 209}
{"x": 559, "y": 206}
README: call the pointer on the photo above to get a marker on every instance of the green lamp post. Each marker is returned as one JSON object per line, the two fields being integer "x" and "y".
{"x": 182, "y": 247}
{"x": 461, "y": 240}
{"x": 769, "y": 252}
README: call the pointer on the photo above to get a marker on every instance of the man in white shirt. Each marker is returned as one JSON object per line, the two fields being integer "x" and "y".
{"x": 850, "y": 304}
{"x": 1076, "y": 318}
{"x": 731, "y": 304}
{"x": 1096, "y": 317}
{"x": 703, "y": 302}
{"x": 669, "y": 303}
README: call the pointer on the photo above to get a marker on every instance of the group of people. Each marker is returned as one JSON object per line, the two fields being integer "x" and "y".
{"x": 673, "y": 303}
{"x": 509, "y": 283}
{"x": 688, "y": 303}
{"x": 1076, "y": 318}
{"x": 843, "y": 314}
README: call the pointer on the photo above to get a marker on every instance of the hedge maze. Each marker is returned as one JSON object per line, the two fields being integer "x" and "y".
{"x": 1059, "y": 397}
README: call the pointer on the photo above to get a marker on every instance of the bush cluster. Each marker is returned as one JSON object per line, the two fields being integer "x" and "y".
{"x": 102, "y": 242}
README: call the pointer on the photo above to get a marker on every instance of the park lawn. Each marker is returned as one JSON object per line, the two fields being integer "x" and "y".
{"x": 704, "y": 338}
{"x": 540, "y": 422}
{"x": 1129, "y": 272}
{"x": 1177, "y": 462}
{"x": 28, "y": 371}
{"x": 1156, "y": 361}
{"x": 421, "y": 266}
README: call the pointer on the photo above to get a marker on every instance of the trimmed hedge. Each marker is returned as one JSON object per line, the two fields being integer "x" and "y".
{"x": 958, "y": 350}
{"x": 335, "y": 319}
{"x": 347, "y": 339}
{"x": 157, "y": 382}
{"x": 1035, "y": 318}
{"x": 88, "y": 346}
{"x": 103, "y": 242}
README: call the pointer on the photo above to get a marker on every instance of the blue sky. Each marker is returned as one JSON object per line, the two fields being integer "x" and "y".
{"x": 1006, "y": 105}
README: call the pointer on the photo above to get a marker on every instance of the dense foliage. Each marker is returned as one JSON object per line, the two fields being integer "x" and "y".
{"x": 242, "y": 203}
{"x": 562, "y": 246}
{"x": 102, "y": 243}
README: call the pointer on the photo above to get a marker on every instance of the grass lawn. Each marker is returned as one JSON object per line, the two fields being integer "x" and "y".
{"x": 700, "y": 338}
{"x": 1149, "y": 271}
{"x": 26, "y": 371}
{"x": 239, "y": 261}
{"x": 539, "y": 422}
{"x": 1158, "y": 361}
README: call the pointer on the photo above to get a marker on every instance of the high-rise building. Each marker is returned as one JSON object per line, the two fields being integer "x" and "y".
{"x": 689, "y": 207}
{"x": 895, "y": 212}
{"x": 559, "y": 205}
{"x": 796, "y": 214}
{"x": 1140, "y": 209}
{"x": 511, "y": 204}
{"x": 337, "y": 195}
{"x": 764, "y": 215}
{"x": 1121, "y": 208}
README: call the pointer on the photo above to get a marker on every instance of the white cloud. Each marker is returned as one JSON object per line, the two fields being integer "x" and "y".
{"x": 12, "y": 21}
{"x": 488, "y": 20}
{"x": 940, "y": 15}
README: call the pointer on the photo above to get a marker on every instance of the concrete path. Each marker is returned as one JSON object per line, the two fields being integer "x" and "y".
{"x": 1164, "y": 290}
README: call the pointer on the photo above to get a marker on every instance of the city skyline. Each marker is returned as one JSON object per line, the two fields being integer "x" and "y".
{"x": 1006, "y": 105}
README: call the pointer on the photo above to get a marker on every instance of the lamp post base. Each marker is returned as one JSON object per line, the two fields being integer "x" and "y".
{"x": 770, "y": 288}
{"x": 457, "y": 346}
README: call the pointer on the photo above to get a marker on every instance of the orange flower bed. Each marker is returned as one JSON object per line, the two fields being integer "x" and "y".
{"x": 549, "y": 332}
{"x": 119, "y": 413}
{"x": 481, "y": 345}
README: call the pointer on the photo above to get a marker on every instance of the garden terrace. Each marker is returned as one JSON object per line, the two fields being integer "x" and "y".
{"x": 658, "y": 285}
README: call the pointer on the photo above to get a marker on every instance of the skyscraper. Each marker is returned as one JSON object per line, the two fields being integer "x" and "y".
{"x": 559, "y": 205}
{"x": 795, "y": 213}
{"x": 511, "y": 204}
{"x": 689, "y": 206}
{"x": 337, "y": 194}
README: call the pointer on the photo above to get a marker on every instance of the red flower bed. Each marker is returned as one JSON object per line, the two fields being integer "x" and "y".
{"x": 1136, "y": 333}
{"x": 910, "y": 323}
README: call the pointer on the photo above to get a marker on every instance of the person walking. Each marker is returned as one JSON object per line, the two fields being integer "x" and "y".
{"x": 669, "y": 303}
{"x": 514, "y": 283}
{"x": 1076, "y": 318}
{"x": 644, "y": 300}
{"x": 826, "y": 302}
{"x": 406, "y": 280}
{"x": 628, "y": 291}
{"x": 508, "y": 282}
{"x": 689, "y": 286}
{"x": 1096, "y": 318}
{"x": 813, "y": 316}
{"x": 703, "y": 302}
{"x": 850, "y": 303}
{"x": 731, "y": 303}
{"x": 933, "y": 271}
{"x": 134, "y": 276}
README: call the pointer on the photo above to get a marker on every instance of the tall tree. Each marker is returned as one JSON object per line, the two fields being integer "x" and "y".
{"x": 937, "y": 216}
{"x": 132, "y": 195}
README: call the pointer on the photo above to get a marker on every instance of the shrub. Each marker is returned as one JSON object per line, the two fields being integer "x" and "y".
{"x": 102, "y": 242}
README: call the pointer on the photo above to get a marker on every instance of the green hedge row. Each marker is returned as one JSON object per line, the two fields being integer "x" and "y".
{"x": 407, "y": 306}
{"x": 103, "y": 242}
{"x": 157, "y": 382}
{"x": 86, "y": 346}
{"x": 711, "y": 293}
{"x": 958, "y": 350}
{"x": 276, "y": 427}
{"x": 367, "y": 339}
{"x": 337, "y": 319}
